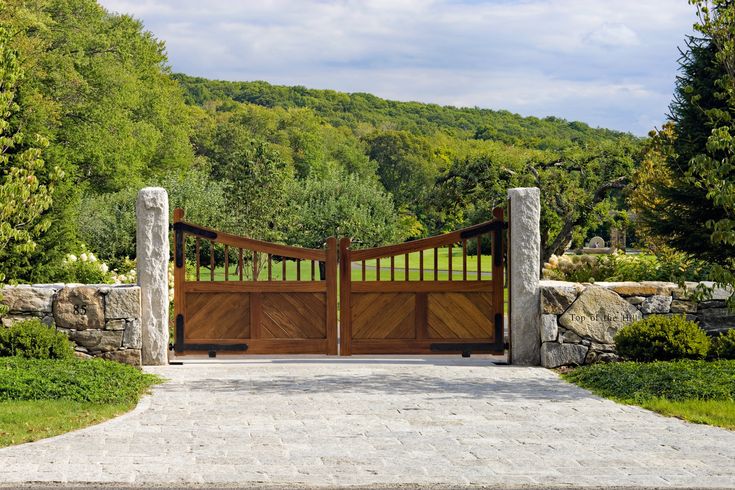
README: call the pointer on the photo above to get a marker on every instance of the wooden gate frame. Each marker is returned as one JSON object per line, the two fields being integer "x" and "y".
{"x": 254, "y": 288}
{"x": 425, "y": 345}
{"x": 421, "y": 344}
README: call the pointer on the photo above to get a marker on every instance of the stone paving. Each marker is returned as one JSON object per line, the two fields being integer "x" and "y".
{"x": 377, "y": 422}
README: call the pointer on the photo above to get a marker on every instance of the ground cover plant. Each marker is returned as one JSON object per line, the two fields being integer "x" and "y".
{"x": 695, "y": 390}
{"x": 45, "y": 397}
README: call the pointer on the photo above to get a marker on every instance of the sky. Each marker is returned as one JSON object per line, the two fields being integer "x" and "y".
{"x": 609, "y": 63}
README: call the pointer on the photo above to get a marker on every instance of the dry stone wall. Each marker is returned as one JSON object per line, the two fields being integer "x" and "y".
{"x": 102, "y": 320}
{"x": 579, "y": 321}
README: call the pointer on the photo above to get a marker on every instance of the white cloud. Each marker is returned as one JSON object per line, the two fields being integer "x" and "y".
{"x": 613, "y": 35}
{"x": 609, "y": 63}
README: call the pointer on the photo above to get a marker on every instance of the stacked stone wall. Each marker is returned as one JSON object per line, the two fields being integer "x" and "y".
{"x": 101, "y": 320}
{"x": 579, "y": 321}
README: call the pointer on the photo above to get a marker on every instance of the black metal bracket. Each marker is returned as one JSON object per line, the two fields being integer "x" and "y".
{"x": 179, "y": 238}
{"x": 483, "y": 229}
{"x": 179, "y": 230}
{"x": 465, "y": 348}
{"x": 195, "y": 230}
{"x": 179, "y": 341}
{"x": 180, "y": 346}
{"x": 498, "y": 248}
{"x": 216, "y": 347}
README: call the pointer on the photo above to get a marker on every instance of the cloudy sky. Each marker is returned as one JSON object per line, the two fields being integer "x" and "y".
{"x": 610, "y": 63}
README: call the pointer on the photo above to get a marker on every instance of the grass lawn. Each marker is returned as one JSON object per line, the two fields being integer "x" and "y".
{"x": 698, "y": 391}
{"x": 30, "y": 420}
{"x": 44, "y": 397}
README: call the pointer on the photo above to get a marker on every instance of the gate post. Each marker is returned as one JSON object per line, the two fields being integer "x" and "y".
{"x": 152, "y": 254}
{"x": 525, "y": 256}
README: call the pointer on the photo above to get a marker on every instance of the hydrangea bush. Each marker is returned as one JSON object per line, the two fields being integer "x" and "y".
{"x": 88, "y": 269}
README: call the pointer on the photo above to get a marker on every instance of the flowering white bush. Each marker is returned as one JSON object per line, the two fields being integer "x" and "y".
{"x": 88, "y": 269}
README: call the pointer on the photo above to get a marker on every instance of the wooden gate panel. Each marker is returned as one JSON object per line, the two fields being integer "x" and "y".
{"x": 383, "y": 316}
{"x": 217, "y": 316}
{"x": 244, "y": 296}
{"x": 293, "y": 316}
{"x": 460, "y": 316}
{"x": 426, "y": 304}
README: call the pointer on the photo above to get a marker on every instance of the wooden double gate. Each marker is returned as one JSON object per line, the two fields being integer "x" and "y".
{"x": 443, "y": 294}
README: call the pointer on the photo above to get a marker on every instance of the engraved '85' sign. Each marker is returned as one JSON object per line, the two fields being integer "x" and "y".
{"x": 80, "y": 309}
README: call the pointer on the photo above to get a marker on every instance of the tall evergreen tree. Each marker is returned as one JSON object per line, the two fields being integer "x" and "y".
{"x": 698, "y": 192}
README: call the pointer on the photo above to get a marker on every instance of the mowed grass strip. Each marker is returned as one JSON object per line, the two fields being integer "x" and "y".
{"x": 31, "y": 420}
{"x": 45, "y": 397}
{"x": 697, "y": 391}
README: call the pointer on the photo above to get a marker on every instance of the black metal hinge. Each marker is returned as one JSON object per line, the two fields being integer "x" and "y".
{"x": 466, "y": 348}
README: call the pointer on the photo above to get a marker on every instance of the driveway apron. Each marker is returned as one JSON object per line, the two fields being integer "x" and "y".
{"x": 377, "y": 422}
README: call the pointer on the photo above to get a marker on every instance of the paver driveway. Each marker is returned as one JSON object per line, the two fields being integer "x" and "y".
{"x": 378, "y": 422}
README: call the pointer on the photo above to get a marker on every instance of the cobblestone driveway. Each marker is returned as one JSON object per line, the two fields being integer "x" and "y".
{"x": 378, "y": 422}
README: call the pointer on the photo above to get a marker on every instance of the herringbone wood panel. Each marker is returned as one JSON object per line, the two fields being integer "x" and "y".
{"x": 460, "y": 315}
{"x": 293, "y": 316}
{"x": 383, "y": 316}
{"x": 214, "y": 316}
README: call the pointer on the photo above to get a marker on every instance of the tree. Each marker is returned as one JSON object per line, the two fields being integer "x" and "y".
{"x": 97, "y": 88}
{"x": 255, "y": 180}
{"x": 343, "y": 205}
{"x": 26, "y": 182}
{"x": 580, "y": 189}
{"x": 406, "y": 167}
{"x": 695, "y": 207}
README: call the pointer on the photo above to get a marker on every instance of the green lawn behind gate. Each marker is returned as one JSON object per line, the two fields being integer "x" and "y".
{"x": 371, "y": 268}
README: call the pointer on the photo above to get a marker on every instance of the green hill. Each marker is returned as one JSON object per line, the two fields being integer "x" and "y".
{"x": 344, "y": 109}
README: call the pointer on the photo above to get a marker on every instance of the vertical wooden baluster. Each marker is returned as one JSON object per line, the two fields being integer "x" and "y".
{"x": 479, "y": 258}
{"x": 377, "y": 268}
{"x": 464, "y": 260}
{"x": 405, "y": 267}
{"x": 240, "y": 262}
{"x": 211, "y": 260}
{"x": 436, "y": 264}
{"x": 363, "y": 270}
{"x": 421, "y": 265}
{"x": 227, "y": 263}
{"x": 270, "y": 267}
{"x": 256, "y": 271}
{"x": 451, "y": 259}
{"x": 199, "y": 257}
{"x": 312, "y": 270}
{"x": 392, "y": 268}
{"x": 283, "y": 268}
{"x": 298, "y": 269}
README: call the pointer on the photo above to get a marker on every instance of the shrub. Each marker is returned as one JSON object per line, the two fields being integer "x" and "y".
{"x": 665, "y": 266}
{"x": 662, "y": 338}
{"x": 723, "y": 346}
{"x": 32, "y": 339}
{"x": 88, "y": 269}
{"x": 93, "y": 381}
